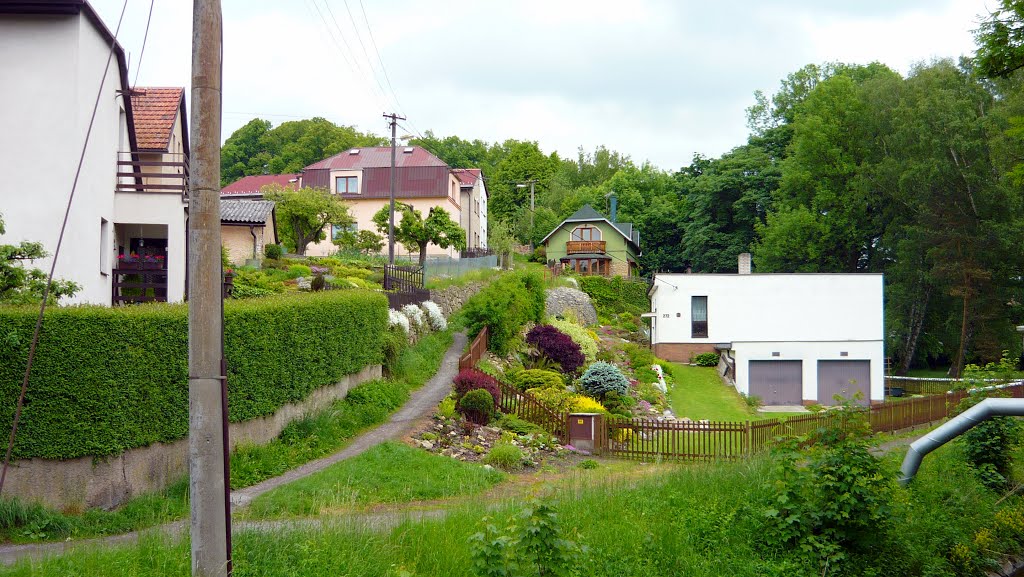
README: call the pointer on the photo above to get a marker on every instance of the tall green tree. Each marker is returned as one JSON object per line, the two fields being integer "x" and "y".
{"x": 416, "y": 232}
{"x": 305, "y": 214}
{"x": 1000, "y": 40}
{"x": 524, "y": 161}
{"x": 257, "y": 148}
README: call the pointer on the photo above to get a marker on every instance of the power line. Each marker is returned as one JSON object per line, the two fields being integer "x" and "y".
{"x": 368, "y": 60}
{"x": 138, "y": 67}
{"x": 358, "y": 67}
{"x": 56, "y": 254}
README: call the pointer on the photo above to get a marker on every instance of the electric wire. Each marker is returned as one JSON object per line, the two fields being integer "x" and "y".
{"x": 56, "y": 255}
{"x": 145, "y": 36}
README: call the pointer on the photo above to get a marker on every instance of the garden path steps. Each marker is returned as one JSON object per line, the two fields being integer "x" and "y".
{"x": 421, "y": 404}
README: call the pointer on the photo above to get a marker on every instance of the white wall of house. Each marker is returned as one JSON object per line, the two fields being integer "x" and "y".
{"x": 51, "y": 71}
{"x": 481, "y": 207}
{"x": 142, "y": 208}
{"x": 807, "y": 317}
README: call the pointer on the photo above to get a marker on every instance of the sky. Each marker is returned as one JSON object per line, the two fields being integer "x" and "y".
{"x": 658, "y": 80}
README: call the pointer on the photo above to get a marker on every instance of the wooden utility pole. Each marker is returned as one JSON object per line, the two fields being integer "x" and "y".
{"x": 206, "y": 435}
{"x": 530, "y": 182}
{"x": 391, "y": 213}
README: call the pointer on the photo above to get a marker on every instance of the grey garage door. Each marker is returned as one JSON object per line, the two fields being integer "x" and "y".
{"x": 844, "y": 378}
{"x": 777, "y": 382}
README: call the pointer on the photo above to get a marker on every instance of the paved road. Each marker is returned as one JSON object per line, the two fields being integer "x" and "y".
{"x": 421, "y": 404}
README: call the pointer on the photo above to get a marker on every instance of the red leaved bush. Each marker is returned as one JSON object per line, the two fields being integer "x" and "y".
{"x": 557, "y": 346}
{"x": 469, "y": 379}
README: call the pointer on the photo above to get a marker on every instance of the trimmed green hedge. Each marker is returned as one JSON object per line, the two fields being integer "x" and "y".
{"x": 110, "y": 379}
{"x": 613, "y": 295}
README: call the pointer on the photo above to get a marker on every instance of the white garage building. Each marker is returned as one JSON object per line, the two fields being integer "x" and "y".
{"x": 789, "y": 339}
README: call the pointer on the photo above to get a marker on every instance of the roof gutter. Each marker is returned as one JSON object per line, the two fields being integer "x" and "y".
{"x": 955, "y": 427}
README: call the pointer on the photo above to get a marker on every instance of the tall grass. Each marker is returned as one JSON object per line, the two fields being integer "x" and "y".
{"x": 702, "y": 520}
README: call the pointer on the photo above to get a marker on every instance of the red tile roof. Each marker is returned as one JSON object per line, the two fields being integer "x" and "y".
{"x": 467, "y": 176}
{"x": 378, "y": 157}
{"x": 155, "y": 111}
{"x": 253, "y": 184}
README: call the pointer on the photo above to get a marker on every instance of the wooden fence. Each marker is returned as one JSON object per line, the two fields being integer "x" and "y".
{"x": 476, "y": 350}
{"x": 526, "y": 407}
{"x": 700, "y": 441}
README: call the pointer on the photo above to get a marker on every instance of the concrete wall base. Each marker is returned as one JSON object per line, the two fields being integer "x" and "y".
{"x": 74, "y": 485}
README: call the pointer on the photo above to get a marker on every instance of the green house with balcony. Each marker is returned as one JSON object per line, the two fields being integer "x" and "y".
{"x": 588, "y": 243}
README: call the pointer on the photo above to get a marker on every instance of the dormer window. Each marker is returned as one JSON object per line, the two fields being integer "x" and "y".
{"x": 346, "y": 185}
{"x": 354, "y": 151}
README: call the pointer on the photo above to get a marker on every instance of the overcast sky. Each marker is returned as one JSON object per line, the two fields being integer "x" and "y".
{"x": 658, "y": 80}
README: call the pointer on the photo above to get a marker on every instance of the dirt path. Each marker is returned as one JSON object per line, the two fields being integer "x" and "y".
{"x": 421, "y": 403}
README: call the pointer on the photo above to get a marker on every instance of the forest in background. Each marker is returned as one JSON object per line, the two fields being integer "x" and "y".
{"x": 847, "y": 168}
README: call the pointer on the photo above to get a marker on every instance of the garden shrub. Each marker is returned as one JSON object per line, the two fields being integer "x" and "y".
{"x": 434, "y": 316}
{"x": 504, "y": 456}
{"x": 557, "y": 346}
{"x": 619, "y": 404}
{"x": 538, "y": 379}
{"x": 531, "y": 543}
{"x": 506, "y": 305}
{"x": 395, "y": 342}
{"x": 416, "y": 318}
{"x": 706, "y": 360}
{"x": 580, "y": 336}
{"x": 641, "y": 359}
{"x": 446, "y": 408}
{"x": 400, "y": 321}
{"x": 272, "y": 251}
{"x": 601, "y": 378}
{"x": 557, "y": 400}
{"x": 471, "y": 379}
{"x": 112, "y": 379}
{"x": 582, "y": 404}
{"x": 477, "y": 406}
{"x": 519, "y": 426}
{"x": 614, "y": 295}
{"x": 297, "y": 270}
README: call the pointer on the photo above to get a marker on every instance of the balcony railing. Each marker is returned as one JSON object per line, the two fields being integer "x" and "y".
{"x": 152, "y": 173}
{"x": 584, "y": 246}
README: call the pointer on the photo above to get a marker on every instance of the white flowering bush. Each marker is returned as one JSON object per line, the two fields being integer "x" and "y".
{"x": 434, "y": 316}
{"x": 397, "y": 319}
{"x": 416, "y": 317}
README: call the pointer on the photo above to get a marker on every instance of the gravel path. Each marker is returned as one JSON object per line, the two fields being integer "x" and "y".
{"x": 421, "y": 403}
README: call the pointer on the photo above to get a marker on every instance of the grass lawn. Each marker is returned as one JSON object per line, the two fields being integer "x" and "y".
{"x": 388, "y": 473}
{"x": 700, "y": 394}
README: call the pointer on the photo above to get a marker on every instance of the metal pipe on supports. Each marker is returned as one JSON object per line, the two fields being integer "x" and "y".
{"x": 955, "y": 427}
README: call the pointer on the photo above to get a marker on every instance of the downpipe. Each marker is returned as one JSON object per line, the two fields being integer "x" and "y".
{"x": 953, "y": 428}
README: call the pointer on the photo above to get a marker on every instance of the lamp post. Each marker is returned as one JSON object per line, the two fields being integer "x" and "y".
{"x": 529, "y": 183}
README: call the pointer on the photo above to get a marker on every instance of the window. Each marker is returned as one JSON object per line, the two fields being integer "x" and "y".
{"x": 699, "y": 317}
{"x": 105, "y": 246}
{"x": 346, "y": 185}
{"x": 337, "y": 231}
{"x": 586, "y": 233}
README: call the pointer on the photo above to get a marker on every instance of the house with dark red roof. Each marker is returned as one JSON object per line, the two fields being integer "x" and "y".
{"x": 362, "y": 177}
{"x": 251, "y": 186}
{"x": 129, "y": 212}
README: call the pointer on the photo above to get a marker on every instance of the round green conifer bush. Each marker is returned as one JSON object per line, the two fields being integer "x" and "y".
{"x": 477, "y": 406}
{"x": 602, "y": 378}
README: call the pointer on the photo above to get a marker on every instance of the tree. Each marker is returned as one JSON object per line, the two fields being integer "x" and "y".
{"x": 257, "y": 148}
{"x": 523, "y": 162}
{"x": 501, "y": 240}
{"x": 305, "y": 213}
{"x": 26, "y": 285}
{"x": 1001, "y": 40}
{"x": 366, "y": 242}
{"x": 415, "y": 232}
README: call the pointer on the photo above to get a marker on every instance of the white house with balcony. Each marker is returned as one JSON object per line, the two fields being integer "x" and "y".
{"x": 789, "y": 339}
{"x": 131, "y": 194}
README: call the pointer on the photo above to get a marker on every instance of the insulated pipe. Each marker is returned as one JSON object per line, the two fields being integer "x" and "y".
{"x": 955, "y": 427}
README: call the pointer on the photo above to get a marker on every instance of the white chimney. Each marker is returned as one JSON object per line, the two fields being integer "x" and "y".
{"x": 744, "y": 263}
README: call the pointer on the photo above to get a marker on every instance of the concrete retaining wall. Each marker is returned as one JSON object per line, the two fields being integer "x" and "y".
{"x": 77, "y": 484}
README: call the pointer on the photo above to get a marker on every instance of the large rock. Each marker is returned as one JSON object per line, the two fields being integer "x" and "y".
{"x": 563, "y": 299}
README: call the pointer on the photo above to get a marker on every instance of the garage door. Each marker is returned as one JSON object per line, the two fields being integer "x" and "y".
{"x": 777, "y": 382}
{"x": 844, "y": 378}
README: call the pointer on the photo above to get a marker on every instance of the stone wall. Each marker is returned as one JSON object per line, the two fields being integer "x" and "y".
{"x": 79, "y": 484}
{"x": 452, "y": 298}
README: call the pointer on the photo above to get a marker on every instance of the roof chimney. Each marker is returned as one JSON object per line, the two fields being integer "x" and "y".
{"x": 744, "y": 263}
